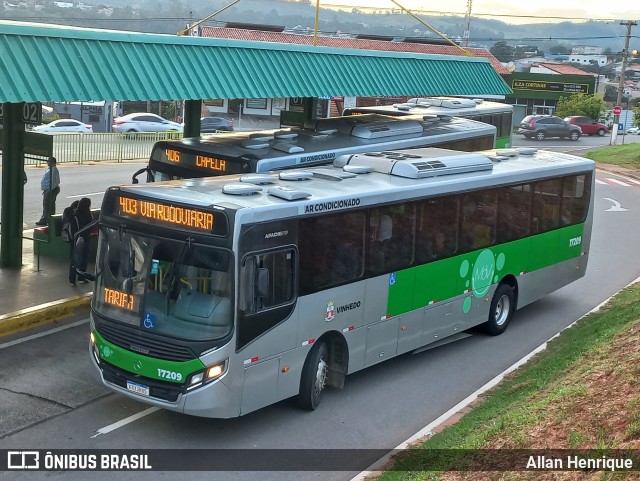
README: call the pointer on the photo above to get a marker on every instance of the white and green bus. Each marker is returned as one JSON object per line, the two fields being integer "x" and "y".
{"x": 321, "y": 141}
{"x": 498, "y": 114}
{"x": 216, "y": 297}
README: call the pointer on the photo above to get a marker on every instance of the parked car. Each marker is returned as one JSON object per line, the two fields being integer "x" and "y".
{"x": 215, "y": 124}
{"x": 587, "y": 125}
{"x": 540, "y": 127}
{"x": 634, "y": 130}
{"x": 144, "y": 122}
{"x": 63, "y": 125}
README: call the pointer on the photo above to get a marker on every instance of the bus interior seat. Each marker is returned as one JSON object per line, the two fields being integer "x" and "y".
{"x": 201, "y": 308}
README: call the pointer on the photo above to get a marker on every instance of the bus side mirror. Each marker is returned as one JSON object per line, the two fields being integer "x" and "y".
{"x": 134, "y": 178}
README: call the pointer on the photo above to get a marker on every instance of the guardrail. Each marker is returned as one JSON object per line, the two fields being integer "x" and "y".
{"x": 94, "y": 147}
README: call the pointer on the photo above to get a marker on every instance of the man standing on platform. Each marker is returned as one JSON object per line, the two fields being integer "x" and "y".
{"x": 50, "y": 186}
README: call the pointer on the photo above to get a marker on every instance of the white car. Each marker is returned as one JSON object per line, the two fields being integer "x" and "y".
{"x": 144, "y": 122}
{"x": 634, "y": 130}
{"x": 63, "y": 125}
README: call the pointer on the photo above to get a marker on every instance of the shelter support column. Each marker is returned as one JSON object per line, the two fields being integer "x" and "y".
{"x": 192, "y": 115}
{"x": 12, "y": 186}
{"x": 310, "y": 108}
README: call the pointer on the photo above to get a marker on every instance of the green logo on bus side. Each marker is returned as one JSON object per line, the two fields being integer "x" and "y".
{"x": 483, "y": 275}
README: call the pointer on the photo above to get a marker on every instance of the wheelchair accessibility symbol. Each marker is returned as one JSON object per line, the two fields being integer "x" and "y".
{"x": 149, "y": 321}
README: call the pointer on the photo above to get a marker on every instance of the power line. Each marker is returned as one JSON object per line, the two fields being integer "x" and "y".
{"x": 462, "y": 14}
{"x": 350, "y": 7}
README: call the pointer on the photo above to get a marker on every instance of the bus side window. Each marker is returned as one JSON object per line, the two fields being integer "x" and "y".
{"x": 514, "y": 212}
{"x": 546, "y": 205}
{"x": 479, "y": 212}
{"x": 576, "y": 193}
{"x": 436, "y": 229}
{"x": 331, "y": 250}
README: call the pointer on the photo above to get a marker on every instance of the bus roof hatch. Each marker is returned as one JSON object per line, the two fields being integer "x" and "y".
{"x": 421, "y": 163}
{"x": 378, "y": 130}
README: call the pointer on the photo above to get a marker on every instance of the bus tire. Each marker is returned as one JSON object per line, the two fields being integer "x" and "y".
{"x": 501, "y": 310}
{"x": 314, "y": 377}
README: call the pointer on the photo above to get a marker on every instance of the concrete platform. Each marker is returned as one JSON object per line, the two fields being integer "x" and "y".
{"x": 39, "y": 292}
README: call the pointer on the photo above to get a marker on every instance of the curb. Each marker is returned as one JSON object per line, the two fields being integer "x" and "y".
{"x": 622, "y": 171}
{"x": 43, "y": 314}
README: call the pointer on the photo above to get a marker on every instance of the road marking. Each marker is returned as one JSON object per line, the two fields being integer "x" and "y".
{"x": 42, "y": 334}
{"x": 601, "y": 182}
{"x": 619, "y": 182}
{"x": 616, "y": 207}
{"x": 124, "y": 422}
{"x": 84, "y": 195}
{"x": 633, "y": 181}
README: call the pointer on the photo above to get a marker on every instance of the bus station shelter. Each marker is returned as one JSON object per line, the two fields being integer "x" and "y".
{"x": 50, "y": 63}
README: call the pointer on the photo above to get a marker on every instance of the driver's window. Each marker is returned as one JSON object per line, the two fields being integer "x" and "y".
{"x": 267, "y": 280}
{"x": 266, "y": 293}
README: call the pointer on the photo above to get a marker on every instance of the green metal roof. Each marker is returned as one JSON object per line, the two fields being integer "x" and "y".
{"x": 55, "y": 63}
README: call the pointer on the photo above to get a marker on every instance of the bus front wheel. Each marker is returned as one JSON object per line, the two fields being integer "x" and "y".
{"x": 501, "y": 311}
{"x": 314, "y": 377}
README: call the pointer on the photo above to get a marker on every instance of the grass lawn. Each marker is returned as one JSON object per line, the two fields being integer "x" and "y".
{"x": 582, "y": 392}
{"x": 623, "y": 155}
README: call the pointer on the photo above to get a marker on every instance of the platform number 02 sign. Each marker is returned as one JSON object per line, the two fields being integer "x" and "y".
{"x": 31, "y": 112}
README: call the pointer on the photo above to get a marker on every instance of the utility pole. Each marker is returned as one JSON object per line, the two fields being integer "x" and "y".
{"x": 625, "y": 55}
{"x": 467, "y": 28}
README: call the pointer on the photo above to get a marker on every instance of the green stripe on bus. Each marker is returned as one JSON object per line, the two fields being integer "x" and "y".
{"x": 503, "y": 142}
{"x": 146, "y": 366}
{"x": 477, "y": 271}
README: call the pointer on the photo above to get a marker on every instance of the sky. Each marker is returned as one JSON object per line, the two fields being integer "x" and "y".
{"x": 515, "y": 12}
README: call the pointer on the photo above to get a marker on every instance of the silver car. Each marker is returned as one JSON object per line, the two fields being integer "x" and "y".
{"x": 145, "y": 122}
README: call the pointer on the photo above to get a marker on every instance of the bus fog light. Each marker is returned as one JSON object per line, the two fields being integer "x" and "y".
{"x": 197, "y": 378}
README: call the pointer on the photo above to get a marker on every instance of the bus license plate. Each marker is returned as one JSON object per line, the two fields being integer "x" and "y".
{"x": 138, "y": 388}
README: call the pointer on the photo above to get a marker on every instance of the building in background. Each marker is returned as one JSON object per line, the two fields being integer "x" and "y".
{"x": 538, "y": 90}
{"x": 98, "y": 114}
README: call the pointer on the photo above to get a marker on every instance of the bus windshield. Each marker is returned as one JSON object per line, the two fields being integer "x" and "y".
{"x": 186, "y": 287}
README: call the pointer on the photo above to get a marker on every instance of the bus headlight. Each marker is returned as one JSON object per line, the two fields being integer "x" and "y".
{"x": 211, "y": 373}
{"x": 94, "y": 348}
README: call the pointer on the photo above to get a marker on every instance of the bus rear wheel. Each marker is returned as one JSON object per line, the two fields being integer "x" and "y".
{"x": 314, "y": 377}
{"x": 501, "y": 310}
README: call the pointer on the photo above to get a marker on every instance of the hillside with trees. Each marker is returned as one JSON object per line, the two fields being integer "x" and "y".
{"x": 169, "y": 16}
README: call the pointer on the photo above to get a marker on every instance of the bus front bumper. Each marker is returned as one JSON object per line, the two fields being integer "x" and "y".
{"x": 213, "y": 400}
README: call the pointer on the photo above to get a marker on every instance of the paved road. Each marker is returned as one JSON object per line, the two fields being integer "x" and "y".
{"x": 47, "y": 386}
{"x": 585, "y": 142}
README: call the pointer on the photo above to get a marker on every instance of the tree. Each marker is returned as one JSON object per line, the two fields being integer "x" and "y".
{"x": 581, "y": 104}
{"x": 502, "y": 51}
{"x": 559, "y": 49}
{"x": 610, "y": 93}
{"x": 636, "y": 116}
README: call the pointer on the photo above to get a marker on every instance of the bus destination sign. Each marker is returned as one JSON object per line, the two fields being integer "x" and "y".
{"x": 163, "y": 214}
{"x": 202, "y": 161}
{"x": 119, "y": 299}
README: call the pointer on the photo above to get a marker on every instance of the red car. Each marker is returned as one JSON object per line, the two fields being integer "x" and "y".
{"x": 588, "y": 126}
